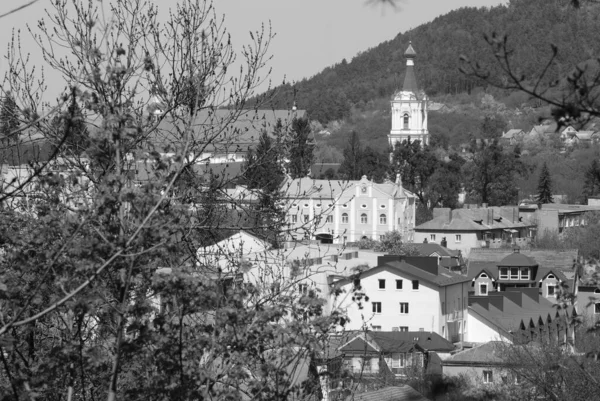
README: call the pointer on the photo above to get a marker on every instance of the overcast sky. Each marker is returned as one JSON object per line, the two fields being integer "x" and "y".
{"x": 310, "y": 34}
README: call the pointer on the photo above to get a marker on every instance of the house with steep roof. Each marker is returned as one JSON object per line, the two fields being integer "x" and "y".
{"x": 492, "y": 270}
{"x": 512, "y": 136}
{"x": 404, "y": 293}
{"x": 451, "y": 260}
{"x": 519, "y": 315}
{"x": 468, "y": 228}
{"x": 394, "y": 352}
{"x": 588, "y": 304}
{"x": 333, "y": 211}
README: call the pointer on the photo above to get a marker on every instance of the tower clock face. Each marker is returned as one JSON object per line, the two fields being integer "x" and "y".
{"x": 364, "y": 189}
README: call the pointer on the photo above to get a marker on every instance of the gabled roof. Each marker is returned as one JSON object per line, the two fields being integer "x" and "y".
{"x": 224, "y": 129}
{"x": 485, "y": 353}
{"x": 386, "y": 342}
{"x": 469, "y": 220}
{"x": 517, "y": 259}
{"x": 551, "y": 259}
{"x": 428, "y": 249}
{"x": 584, "y": 135}
{"x": 511, "y": 133}
{"x": 403, "y": 393}
{"x": 304, "y": 188}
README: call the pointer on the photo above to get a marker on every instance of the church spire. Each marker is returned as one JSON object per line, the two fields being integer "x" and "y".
{"x": 410, "y": 81}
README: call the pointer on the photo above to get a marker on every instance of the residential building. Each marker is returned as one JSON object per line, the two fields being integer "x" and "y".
{"x": 482, "y": 365}
{"x": 451, "y": 260}
{"x": 555, "y": 216}
{"x": 512, "y": 136}
{"x": 395, "y": 352}
{"x": 405, "y": 293}
{"x": 346, "y": 211}
{"x": 519, "y": 315}
{"x": 409, "y": 107}
{"x": 475, "y": 227}
{"x": 492, "y": 270}
{"x": 588, "y": 304}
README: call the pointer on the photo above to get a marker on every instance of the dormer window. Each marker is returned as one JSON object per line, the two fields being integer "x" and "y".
{"x": 514, "y": 273}
{"x": 483, "y": 275}
{"x": 504, "y": 273}
{"x": 524, "y": 273}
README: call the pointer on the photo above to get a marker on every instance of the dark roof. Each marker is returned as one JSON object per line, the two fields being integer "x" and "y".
{"x": 517, "y": 259}
{"x": 545, "y": 258}
{"x": 404, "y": 393}
{"x": 441, "y": 279}
{"x": 430, "y": 248}
{"x": 478, "y": 219}
{"x": 357, "y": 345}
{"x": 390, "y": 341}
{"x": 484, "y": 353}
{"x": 223, "y": 130}
{"x": 410, "y": 51}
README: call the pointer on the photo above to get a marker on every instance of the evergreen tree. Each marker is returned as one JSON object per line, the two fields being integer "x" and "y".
{"x": 9, "y": 119}
{"x": 591, "y": 185}
{"x": 301, "y": 149}
{"x": 262, "y": 169}
{"x": 545, "y": 186}
{"x": 350, "y": 168}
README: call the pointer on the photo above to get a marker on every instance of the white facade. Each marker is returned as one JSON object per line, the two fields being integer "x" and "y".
{"x": 483, "y": 331}
{"x": 422, "y": 307}
{"x": 409, "y": 108}
{"x": 350, "y": 210}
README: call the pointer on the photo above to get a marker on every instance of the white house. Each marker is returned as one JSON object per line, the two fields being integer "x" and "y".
{"x": 342, "y": 211}
{"x": 405, "y": 294}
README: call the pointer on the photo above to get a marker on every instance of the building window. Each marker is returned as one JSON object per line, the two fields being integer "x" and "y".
{"x": 432, "y": 237}
{"x": 444, "y": 331}
{"x": 551, "y": 290}
{"x": 403, "y": 308}
{"x": 382, "y": 219}
{"x": 294, "y": 218}
{"x": 303, "y": 289}
{"x": 488, "y": 376}
{"x": 306, "y": 205}
{"x": 376, "y": 307}
{"x": 514, "y": 273}
{"x": 398, "y": 360}
{"x": 363, "y": 206}
{"x": 483, "y": 289}
{"x": 382, "y": 206}
{"x": 483, "y": 275}
{"x": 306, "y": 218}
{"x": 329, "y": 219}
{"x": 524, "y": 273}
{"x": 345, "y": 218}
{"x": 345, "y": 238}
{"x": 376, "y": 328}
{"x": 415, "y": 284}
{"x": 403, "y": 328}
{"x": 597, "y": 308}
{"x": 398, "y": 284}
{"x": 457, "y": 238}
{"x": 504, "y": 273}
{"x": 364, "y": 219}
{"x": 382, "y": 284}
{"x": 405, "y": 121}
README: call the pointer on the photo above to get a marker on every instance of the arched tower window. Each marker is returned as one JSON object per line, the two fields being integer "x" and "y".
{"x": 405, "y": 121}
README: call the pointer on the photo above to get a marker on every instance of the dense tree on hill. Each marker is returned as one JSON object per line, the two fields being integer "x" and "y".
{"x": 301, "y": 148}
{"x": 490, "y": 176}
{"x": 591, "y": 186}
{"x": 377, "y": 72}
{"x": 545, "y": 186}
{"x": 416, "y": 165}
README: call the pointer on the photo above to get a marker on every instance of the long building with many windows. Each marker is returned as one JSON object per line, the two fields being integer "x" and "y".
{"x": 347, "y": 211}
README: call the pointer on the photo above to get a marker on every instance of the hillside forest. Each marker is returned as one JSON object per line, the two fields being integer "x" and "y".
{"x": 349, "y": 102}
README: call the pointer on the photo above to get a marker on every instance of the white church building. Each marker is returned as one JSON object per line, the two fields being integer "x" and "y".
{"x": 409, "y": 107}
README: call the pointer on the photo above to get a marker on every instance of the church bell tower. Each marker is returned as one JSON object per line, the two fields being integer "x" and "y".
{"x": 409, "y": 107}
